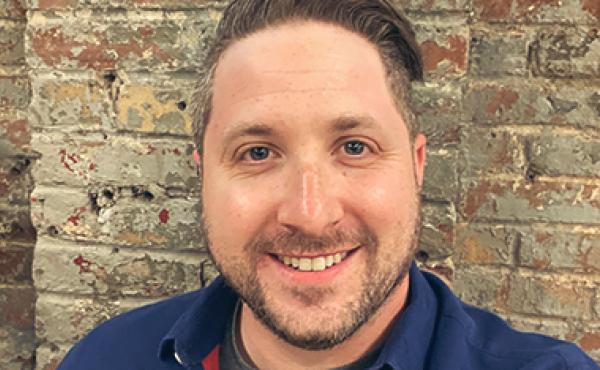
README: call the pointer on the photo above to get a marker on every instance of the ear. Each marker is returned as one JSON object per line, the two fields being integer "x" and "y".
{"x": 419, "y": 154}
{"x": 197, "y": 157}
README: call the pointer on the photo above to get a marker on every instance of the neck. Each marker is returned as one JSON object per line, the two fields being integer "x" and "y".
{"x": 268, "y": 351}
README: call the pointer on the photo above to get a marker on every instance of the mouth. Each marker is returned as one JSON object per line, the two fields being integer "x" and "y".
{"x": 316, "y": 263}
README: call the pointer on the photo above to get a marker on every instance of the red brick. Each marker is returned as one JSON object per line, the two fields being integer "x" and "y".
{"x": 545, "y": 11}
{"x": 564, "y": 103}
{"x": 14, "y": 92}
{"x": 69, "y": 267}
{"x": 549, "y": 249}
{"x": 485, "y": 244}
{"x": 15, "y": 225}
{"x": 15, "y": 136}
{"x": 17, "y": 307}
{"x": 13, "y": 9}
{"x": 567, "y": 52}
{"x": 15, "y": 180}
{"x": 540, "y": 201}
{"x": 439, "y": 110}
{"x": 15, "y": 265}
{"x": 486, "y": 151}
{"x": 130, "y": 4}
{"x": 11, "y": 42}
{"x": 549, "y": 296}
{"x": 145, "y": 41}
{"x": 444, "y": 49}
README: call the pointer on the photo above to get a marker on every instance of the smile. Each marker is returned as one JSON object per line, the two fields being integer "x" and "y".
{"x": 319, "y": 263}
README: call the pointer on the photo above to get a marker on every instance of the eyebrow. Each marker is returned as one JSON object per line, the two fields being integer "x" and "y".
{"x": 248, "y": 129}
{"x": 340, "y": 124}
{"x": 347, "y": 123}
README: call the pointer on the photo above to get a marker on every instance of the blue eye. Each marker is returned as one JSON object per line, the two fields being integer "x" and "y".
{"x": 354, "y": 147}
{"x": 259, "y": 153}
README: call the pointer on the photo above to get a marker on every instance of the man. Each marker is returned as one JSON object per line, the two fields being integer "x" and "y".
{"x": 312, "y": 168}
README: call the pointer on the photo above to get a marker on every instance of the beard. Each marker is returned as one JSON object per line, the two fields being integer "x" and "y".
{"x": 386, "y": 267}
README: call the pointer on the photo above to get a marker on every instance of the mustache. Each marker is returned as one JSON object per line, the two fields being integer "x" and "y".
{"x": 297, "y": 241}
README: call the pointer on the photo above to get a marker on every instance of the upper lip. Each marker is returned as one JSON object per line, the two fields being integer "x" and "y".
{"x": 313, "y": 255}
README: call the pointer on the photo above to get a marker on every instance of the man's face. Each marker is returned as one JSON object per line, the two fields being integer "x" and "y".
{"x": 310, "y": 182}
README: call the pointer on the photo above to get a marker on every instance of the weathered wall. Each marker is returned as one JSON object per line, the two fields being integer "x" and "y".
{"x": 17, "y": 236}
{"x": 511, "y": 105}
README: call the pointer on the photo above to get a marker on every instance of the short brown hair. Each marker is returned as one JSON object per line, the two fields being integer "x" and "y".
{"x": 376, "y": 20}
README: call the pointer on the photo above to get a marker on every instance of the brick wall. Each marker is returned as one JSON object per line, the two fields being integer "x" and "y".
{"x": 511, "y": 106}
{"x": 17, "y": 236}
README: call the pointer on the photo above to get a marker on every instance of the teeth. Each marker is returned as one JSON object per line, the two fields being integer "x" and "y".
{"x": 318, "y": 264}
{"x": 313, "y": 264}
{"x": 329, "y": 261}
{"x": 305, "y": 264}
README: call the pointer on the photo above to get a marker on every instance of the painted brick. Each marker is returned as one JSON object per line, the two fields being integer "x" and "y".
{"x": 15, "y": 224}
{"x": 439, "y": 111}
{"x": 132, "y": 41}
{"x": 543, "y": 295}
{"x": 15, "y": 180}
{"x": 13, "y": 9}
{"x": 574, "y": 103}
{"x": 91, "y": 161}
{"x": 14, "y": 92}
{"x": 49, "y": 355}
{"x": 482, "y": 287}
{"x": 101, "y": 270}
{"x": 156, "y": 104}
{"x": 597, "y": 305}
{"x": 547, "y": 249}
{"x": 434, "y": 5}
{"x": 444, "y": 48}
{"x": 557, "y": 328}
{"x": 63, "y": 320}
{"x": 16, "y": 307}
{"x": 81, "y": 101}
{"x": 437, "y": 231}
{"x": 554, "y": 154}
{"x": 512, "y": 200}
{"x": 15, "y": 135}
{"x": 497, "y": 52}
{"x": 485, "y": 244}
{"x": 137, "y": 102}
{"x": 441, "y": 178}
{"x": 119, "y": 216}
{"x": 11, "y": 42}
{"x": 486, "y": 151}
{"x": 16, "y": 348}
{"x": 119, "y": 4}
{"x": 585, "y": 334}
{"x": 15, "y": 265}
{"x": 580, "y": 11}
{"x": 567, "y": 52}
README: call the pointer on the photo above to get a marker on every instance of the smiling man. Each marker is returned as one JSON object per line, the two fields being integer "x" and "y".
{"x": 312, "y": 169}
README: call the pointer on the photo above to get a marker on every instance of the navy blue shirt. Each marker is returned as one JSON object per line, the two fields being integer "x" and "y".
{"x": 436, "y": 331}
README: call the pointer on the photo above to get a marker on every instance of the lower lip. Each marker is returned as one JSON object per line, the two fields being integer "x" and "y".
{"x": 310, "y": 277}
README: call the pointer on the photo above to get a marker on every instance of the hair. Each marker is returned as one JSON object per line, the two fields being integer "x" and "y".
{"x": 376, "y": 20}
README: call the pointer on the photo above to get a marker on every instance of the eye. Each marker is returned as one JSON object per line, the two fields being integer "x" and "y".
{"x": 257, "y": 153}
{"x": 354, "y": 147}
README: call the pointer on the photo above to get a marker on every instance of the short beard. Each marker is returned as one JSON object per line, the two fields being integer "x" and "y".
{"x": 370, "y": 301}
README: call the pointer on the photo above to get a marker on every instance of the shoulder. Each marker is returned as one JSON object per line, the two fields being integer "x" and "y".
{"x": 483, "y": 340}
{"x": 134, "y": 334}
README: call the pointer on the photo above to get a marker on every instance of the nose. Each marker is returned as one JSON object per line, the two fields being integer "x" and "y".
{"x": 311, "y": 202}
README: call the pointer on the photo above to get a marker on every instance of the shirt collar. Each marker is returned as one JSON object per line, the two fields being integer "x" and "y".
{"x": 202, "y": 327}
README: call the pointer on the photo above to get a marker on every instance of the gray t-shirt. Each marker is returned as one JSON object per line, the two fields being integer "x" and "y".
{"x": 231, "y": 358}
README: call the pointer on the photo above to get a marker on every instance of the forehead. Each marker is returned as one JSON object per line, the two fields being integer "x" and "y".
{"x": 316, "y": 63}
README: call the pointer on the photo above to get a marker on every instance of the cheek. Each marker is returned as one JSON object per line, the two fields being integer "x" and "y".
{"x": 235, "y": 212}
{"x": 384, "y": 199}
